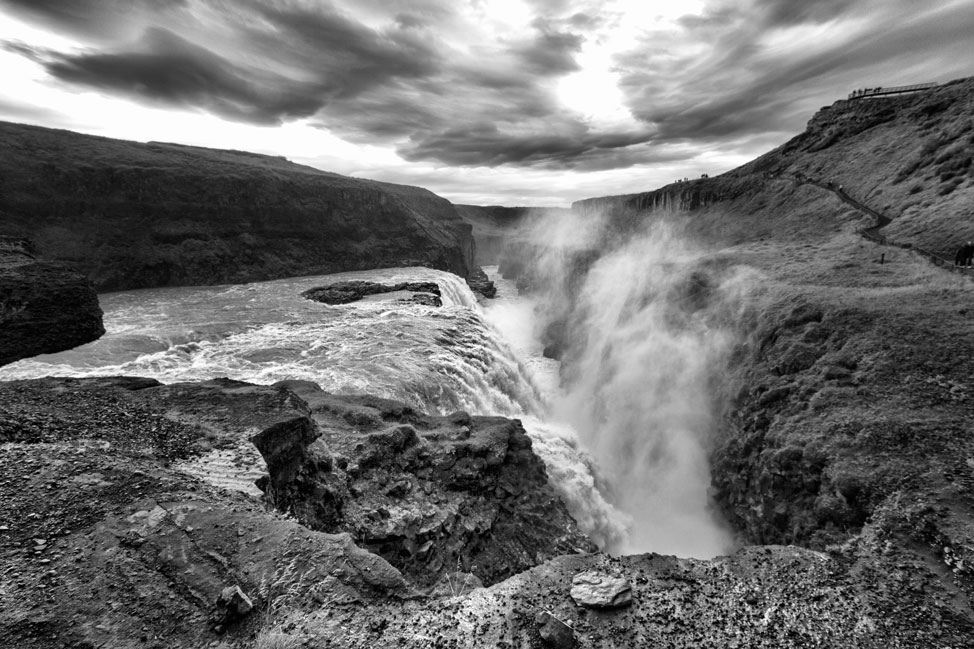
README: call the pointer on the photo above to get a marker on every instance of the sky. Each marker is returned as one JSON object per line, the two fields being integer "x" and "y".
{"x": 486, "y": 102}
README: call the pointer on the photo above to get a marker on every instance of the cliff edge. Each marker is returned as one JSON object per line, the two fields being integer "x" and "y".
{"x": 45, "y": 307}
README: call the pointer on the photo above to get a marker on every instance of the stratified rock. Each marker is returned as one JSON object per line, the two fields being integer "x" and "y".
{"x": 44, "y": 307}
{"x": 480, "y": 283}
{"x": 554, "y": 632}
{"x": 354, "y": 290}
{"x": 430, "y": 494}
{"x": 136, "y": 215}
{"x": 600, "y": 590}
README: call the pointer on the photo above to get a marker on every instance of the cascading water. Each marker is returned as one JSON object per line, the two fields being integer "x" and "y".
{"x": 631, "y": 402}
{"x": 436, "y": 359}
{"x": 646, "y": 326}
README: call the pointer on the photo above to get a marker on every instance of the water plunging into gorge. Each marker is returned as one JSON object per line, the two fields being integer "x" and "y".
{"x": 621, "y": 427}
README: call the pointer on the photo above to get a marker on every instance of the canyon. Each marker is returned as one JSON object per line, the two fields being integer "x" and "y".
{"x": 841, "y": 455}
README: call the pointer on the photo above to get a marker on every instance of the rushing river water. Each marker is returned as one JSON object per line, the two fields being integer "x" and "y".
{"x": 438, "y": 359}
{"x": 636, "y": 397}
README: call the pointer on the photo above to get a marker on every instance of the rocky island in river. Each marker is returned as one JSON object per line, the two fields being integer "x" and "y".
{"x": 842, "y": 454}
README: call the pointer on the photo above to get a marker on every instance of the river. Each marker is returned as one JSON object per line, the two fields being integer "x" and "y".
{"x": 624, "y": 416}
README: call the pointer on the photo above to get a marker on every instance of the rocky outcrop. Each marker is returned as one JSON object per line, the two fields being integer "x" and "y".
{"x": 135, "y": 215}
{"x": 45, "y": 307}
{"x": 106, "y": 541}
{"x": 479, "y": 283}
{"x": 430, "y": 494}
{"x": 354, "y": 290}
{"x": 623, "y": 210}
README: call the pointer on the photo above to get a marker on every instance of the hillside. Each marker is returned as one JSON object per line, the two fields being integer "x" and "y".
{"x": 135, "y": 215}
{"x": 846, "y": 408}
{"x": 908, "y": 157}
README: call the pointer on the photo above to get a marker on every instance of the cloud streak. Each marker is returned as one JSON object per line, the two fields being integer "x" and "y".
{"x": 453, "y": 84}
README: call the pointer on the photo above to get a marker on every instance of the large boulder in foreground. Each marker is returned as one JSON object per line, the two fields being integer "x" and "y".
{"x": 429, "y": 494}
{"x": 45, "y": 307}
{"x": 136, "y": 215}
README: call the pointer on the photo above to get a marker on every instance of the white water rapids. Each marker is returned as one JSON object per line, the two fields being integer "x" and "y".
{"x": 482, "y": 359}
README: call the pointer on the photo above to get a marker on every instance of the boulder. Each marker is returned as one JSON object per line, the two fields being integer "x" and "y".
{"x": 432, "y": 495}
{"x": 354, "y": 290}
{"x": 600, "y": 590}
{"x": 480, "y": 283}
{"x": 232, "y": 605}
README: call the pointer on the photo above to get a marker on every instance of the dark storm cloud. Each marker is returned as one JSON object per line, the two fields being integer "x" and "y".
{"x": 795, "y": 12}
{"x": 325, "y": 42}
{"x": 399, "y": 73}
{"x": 487, "y": 144}
{"x": 551, "y": 53}
{"x": 93, "y": 17}
{"x": 751, "y": 83}
{"x": 170, "y": 69}
{"x": 397, "y": 83}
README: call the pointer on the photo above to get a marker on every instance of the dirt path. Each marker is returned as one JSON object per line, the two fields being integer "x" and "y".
{"x": 881, "y": 221}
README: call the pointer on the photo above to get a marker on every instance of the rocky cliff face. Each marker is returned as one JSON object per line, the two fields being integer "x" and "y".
{"x": 137, "y": 215}
{"x": 431, "y": 495}
{"x": 124, "y": 522}
{"x": 845, "y": 408}
{"x": 45, "y": 307}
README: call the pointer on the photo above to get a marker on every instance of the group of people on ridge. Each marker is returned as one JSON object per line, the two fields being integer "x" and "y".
{"x": 965, "y": 255}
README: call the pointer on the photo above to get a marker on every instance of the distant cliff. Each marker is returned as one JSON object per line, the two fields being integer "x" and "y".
{"x": 495, "y": 225}
{"x": 909, "y": 157}
{"x": 135, "y": 215}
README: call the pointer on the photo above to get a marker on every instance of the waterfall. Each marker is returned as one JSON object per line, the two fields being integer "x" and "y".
{"x": 646, "y": 325}
{"x": 437, "y": 359}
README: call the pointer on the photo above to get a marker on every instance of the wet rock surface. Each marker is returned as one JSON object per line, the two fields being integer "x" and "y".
{"x": 354, "y": 290}
{"x": 430, "y": 494}
{"x": 45, "y": 307}
{"x": 479, "y": 283}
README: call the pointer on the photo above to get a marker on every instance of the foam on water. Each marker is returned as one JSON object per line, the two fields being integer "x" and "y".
{"x": 439, "y": 360}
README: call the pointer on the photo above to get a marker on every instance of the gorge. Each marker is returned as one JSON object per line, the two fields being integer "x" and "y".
{"x": 739, "y": 379}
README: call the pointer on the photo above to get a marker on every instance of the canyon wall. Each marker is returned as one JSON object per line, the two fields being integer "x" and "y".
{"x": 844, "y": 410}
{"x": 45, "y": 307}
{"x": 134, "y": 215}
